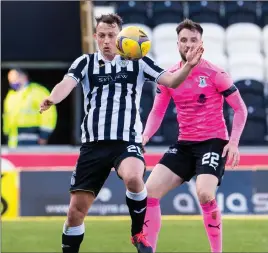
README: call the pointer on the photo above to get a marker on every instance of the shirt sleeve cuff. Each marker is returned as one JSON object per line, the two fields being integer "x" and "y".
{"x": 73, "y": 76}
{"x": 156, "y": 80}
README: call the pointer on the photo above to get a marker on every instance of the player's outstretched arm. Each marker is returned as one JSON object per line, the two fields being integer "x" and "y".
{"x": 75, "y": 74}
{"x": 59, "y": 92}
{"x": 240, "y": 116}
{"x": 173, "y": 80}
{"x": 225, "y": 86}
{"x": 239, "y": 121}
{"x": 157, "y": 113}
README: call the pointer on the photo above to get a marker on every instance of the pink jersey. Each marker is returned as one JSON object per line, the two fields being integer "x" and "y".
{"x": 199, "y": 102}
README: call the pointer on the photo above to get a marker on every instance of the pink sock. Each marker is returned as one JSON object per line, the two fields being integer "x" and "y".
{"x": 152, "y": 222}
{"x": 213, "y": 225}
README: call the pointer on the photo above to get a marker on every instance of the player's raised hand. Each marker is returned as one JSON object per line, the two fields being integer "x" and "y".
{"x": 45, "y": 104}
{"x": 233, "y": 155}
{"x": 194, "y": 55}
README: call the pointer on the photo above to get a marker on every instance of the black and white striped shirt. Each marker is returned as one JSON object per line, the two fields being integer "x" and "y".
{"x": 112, "y": 93}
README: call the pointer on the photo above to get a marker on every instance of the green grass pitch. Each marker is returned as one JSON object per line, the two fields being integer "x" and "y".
{"x": 239, "y": 235}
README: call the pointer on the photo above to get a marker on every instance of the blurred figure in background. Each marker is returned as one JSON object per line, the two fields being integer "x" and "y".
{"x": 22, "y": 122}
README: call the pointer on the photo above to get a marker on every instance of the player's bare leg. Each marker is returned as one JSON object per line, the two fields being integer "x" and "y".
{"x": 131, "y": 170}
{"x": 159, "y": 183}
{"x": 206, "y": 186}
{"x": 74, "y": 228}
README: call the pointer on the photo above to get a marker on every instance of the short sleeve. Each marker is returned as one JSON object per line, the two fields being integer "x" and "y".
{"x": 151, "y": 70}
{"x": 79, "y": 68}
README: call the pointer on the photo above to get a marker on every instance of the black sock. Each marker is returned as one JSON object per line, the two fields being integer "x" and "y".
{"x": 72, "y": 238}
{"x": 71, "y": 243}
{"x": 137, "y": 210}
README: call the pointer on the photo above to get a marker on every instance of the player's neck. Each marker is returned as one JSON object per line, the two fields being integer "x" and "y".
{"x": 109, "y": 57}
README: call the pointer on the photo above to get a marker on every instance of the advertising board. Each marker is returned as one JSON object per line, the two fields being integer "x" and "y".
{"x": 46, "y": 194}
{"x": 37, "y": 161}
{"x": 9, "y": 194}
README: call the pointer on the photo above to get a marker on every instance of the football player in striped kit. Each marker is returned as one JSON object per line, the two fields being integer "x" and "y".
{"x": 111, "y": 129}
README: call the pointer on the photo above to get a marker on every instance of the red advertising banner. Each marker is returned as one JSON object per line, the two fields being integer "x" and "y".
{"x": 54, "y": 161}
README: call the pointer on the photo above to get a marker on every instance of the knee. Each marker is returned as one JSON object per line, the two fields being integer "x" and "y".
{"x": 153, "y": 191}
{"x": 204, "y": 196}
{"x": 76, "y": 215}
{"x": 134, "y": 183}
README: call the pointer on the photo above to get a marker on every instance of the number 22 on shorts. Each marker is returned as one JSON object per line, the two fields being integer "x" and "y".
{"x": 212, "y": 159}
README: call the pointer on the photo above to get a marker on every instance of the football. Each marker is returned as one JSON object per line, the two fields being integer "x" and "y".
{"x": 132, "y": 43}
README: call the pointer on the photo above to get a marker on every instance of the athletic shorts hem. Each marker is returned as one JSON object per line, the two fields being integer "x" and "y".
{"x": 207, "y": 173}
{"x": 175, "y": 172}
{"x": 83, "y": 190}
{"x": 123, "y": 157}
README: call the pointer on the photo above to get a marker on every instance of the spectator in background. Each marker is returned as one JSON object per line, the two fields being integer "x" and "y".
{"x": 22, "y": 122}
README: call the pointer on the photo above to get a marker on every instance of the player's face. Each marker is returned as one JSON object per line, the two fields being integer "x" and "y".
{"x": 187, "y": 39}
{"x": 106, "y": 39}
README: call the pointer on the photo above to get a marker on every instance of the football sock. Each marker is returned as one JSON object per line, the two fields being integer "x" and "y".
{"x": 152, "y": 223}
{"x": 213, "y": 225}
{"x": 72, "y": 238}
{"x": 136, "y": 203}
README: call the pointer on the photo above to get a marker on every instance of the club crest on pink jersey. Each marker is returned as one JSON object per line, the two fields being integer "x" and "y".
{"x": 202, "y": 81}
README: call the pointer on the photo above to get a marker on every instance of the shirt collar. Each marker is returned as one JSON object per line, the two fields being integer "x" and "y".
{"x": 100, "y": 57}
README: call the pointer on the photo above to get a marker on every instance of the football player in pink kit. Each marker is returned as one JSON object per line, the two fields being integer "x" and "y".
{"x": 203, "y": 144}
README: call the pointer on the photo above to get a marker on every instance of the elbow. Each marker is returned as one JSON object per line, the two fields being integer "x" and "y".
{"x": 245, "y": 110}
{"x": 242, "y": 114}
{"x": 246, "y": 114}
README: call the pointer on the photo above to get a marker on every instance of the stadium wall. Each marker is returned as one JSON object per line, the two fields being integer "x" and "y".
{"x": 37, "y": 185}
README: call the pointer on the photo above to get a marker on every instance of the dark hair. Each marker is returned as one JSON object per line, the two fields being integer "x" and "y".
{"x": 110, "y": 19}
{"x": 190, "y": 25}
